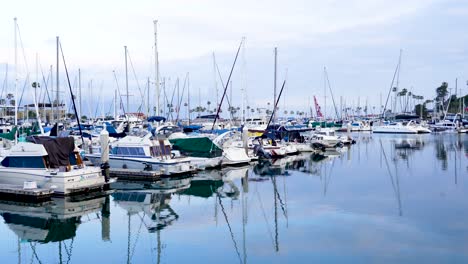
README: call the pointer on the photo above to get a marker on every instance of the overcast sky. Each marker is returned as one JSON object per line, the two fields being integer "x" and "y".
{"x": 358, "y": 42}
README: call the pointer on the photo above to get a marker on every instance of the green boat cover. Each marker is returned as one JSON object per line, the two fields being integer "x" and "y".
{"x": 10, "y": 135}
{"x": 203, "y": 188}
{"x": 196, "y": 147}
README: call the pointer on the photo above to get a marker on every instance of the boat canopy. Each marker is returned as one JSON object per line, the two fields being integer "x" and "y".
{"x": 156, "y": 119}
{"x": 58, "y": 149}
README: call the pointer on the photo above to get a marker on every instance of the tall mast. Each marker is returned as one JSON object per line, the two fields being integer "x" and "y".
{"x": 16, "y": 79}
{"x": 126, "y": 82}
{"x": 244, "y": 82}
{"x": 156, "y": 67}
{"x": 274, "y": 83}
{"x": 398, "y": 80}
{"x": 148, "y": 99}
{"x": 36, "y": 86}
{"x": 188, "y": 97}
{"x": 324, "y": 94}
{"x": 79, "y": 93}
{"x": 115, "y": 104}
{"x": 57, "y": 82}
{"x": 215, "y": 78}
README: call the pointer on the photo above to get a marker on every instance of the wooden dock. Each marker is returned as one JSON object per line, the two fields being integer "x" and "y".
{"x": 135, "y": 175}
{"x": 17, "y": 192}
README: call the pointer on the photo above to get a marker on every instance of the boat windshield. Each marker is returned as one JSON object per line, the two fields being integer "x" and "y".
{"x": 128, "y": 151}
{"x": 36, "y": 162}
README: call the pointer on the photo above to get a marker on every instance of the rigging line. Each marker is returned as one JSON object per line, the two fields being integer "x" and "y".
{"x": 24, "y": 88}
{"x": 71, "y": 94}
{"x": 71, "y": 249}
{"x": 138, "y": 235}
{"x": 99, "y": 100}
{"x": 4, "y": 80}
{"x": 46, "y": 83}
{"x": 229, "y": 226}
{"x": 227, "y": 97}
{"x": 391, "y": 88}
{"x": 331, "y": 93}
{"x": 391, "y": 176}
{"x": 22, "y": 48}
{"x": 136, "y": 79}
{"x": 275, "y": 190}
{"x": 276, "y": 104}
{"x": 264, "y": 216}
{"x": 118, "y": 90}
{"x": 227, "y": 84}
{"x": 180, "y": 99}
{"x": 33, "y": 248}
{"x": 172, "y": 98}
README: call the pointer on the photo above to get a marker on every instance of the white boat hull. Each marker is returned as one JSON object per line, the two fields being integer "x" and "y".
{"x": 63, "y": 183}
{"x": 167, "y": 167}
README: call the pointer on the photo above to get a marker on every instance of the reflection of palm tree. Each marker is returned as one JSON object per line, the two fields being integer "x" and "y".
{"x": 441, "y": 153}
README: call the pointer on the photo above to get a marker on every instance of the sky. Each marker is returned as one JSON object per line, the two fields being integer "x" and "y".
{"x": 358, "y": 41}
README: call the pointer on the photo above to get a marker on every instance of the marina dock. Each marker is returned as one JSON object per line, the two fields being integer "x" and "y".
{"x": 17, "y": 192}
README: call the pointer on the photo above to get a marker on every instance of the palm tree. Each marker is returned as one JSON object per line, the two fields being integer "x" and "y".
{"x": 208, "y": 103}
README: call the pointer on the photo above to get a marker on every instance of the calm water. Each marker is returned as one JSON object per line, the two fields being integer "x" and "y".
{"x": 387, "y": 199}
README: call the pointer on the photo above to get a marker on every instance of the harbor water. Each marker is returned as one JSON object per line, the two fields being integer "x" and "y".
{"x": 386, "y": 199}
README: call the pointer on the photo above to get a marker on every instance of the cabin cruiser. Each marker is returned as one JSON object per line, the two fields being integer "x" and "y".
{"x": 52, "y": 163}
{"x": 144, "y": 153}
{"x": 396, "y": 128}
{"x": 325, "y": 137}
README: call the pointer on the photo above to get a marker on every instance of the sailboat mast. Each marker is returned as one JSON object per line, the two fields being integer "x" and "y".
{"x": 16, "y": 80}
{"x": 126, "y": 81}
{"x": 215, "y": 82}
{"x": 36, "y": 86}
{"x": 79, "y": 92}
{"x": 188, "y": 97}
{"x": 148, "y": 99}
{"x": 274, "y": 82}
{"x": 244, "y": 83}
{"x": 57, "y": 82}
{"x": 156, "y": 67}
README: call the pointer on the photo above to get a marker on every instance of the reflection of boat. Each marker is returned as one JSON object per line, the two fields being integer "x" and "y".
{"x": 53, "y": 221}
{"x": 152, "y": 207}
{"x": 164, "y": 185}
{"x": 207, "y": 183}
{"x": 409, "y": 144}
{"x": 270, "y": 168}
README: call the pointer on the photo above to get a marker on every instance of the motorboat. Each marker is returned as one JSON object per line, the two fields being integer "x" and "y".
{"x": 51, "y": 163}
{"x": 396, "y": 128}
{"x": 144, "y": 153}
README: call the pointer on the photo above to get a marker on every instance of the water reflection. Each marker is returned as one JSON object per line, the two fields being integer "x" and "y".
{"x": 382, "y": 193}
{"x": 55, "y": 221}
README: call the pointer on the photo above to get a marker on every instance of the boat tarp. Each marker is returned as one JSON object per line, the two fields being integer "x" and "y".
{"x": 58, "y": 149}
{"x": 196, "y": 147}
{"x": 10, "y": 135}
